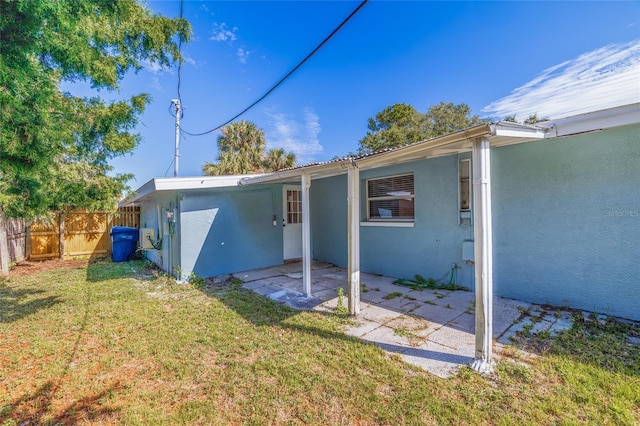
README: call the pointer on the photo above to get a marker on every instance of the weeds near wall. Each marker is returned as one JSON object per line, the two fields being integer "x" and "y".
{"x": 341, "y": 309}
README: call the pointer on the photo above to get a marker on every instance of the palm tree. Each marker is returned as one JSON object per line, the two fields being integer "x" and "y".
{"x": 240, "y": 150}
{"x": 277, "y": 159}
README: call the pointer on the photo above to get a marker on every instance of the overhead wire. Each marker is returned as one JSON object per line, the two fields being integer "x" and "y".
{"x": 168, "y": 168}
{"x": 282, "y": 80}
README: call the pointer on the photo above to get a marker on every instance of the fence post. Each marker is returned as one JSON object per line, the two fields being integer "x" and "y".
{"x": 27, "y": 243}
{"x": 4, "y": 244}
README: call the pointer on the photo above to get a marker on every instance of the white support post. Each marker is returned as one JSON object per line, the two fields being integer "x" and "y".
{"x": 353, "y": 220}
{"x": 306, "y": 236}
{"x": 483, "y": 255}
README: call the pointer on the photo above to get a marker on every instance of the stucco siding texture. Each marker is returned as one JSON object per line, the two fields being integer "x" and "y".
{"x": 149, "y": 219}
{"x": 328, "y": 205}
{"x": 434, "y": 244}
{"x": 566, "y": 221}
{"x": 230, "y": 230}
{"x": 429, "y": 248}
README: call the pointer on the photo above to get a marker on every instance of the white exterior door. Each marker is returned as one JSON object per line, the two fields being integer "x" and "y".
{"x": 292, "y": 222}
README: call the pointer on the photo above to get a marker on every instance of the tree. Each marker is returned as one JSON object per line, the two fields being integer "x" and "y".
{"x": 54, "y": 147}
{"x": 446, "y": 118}
{"x": 532, "y": 119}
{"x": 396, "y": 125}
{"x": 277, "y": 159}
{"x": 241, "y": 150}
{"x": 402, "y": 124}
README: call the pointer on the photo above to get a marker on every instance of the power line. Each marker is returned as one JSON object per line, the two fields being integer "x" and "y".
{"x": 282, "y": 80}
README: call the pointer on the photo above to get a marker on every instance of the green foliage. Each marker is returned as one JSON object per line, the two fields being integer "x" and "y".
{"x": 341, "y": 309}
{"x": 419, "y": 282}
{"x": 392, "y": 295}
{"x": 54, "y": 147}
{"x": 196, "y": 281}
{"x": 241, "y": 150}
{"x": 277, "y": 159}
{"x": 532, "y": 119}
{"x": 402, "y": 124}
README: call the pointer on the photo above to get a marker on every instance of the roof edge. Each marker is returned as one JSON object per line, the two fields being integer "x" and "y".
{"x": 592, "y": 121}
{"x": 183, "y": 183}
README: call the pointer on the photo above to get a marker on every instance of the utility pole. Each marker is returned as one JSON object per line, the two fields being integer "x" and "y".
{"x": 176, "y": 157}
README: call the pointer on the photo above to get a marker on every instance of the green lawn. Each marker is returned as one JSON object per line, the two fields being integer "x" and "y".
{"x": 120, "y": 343}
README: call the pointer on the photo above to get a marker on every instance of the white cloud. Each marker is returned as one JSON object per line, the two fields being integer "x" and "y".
{"x": 189, "y": 60}
{"x": 603, "y": 78}
{"x": 156, "y": 71}
{"x": 242, "y": 55}
{"x": 154, "y": 67}
{"x": 221, "y": 32}
{"x": 299, "y": 137}
{"x": 155, "y": 83}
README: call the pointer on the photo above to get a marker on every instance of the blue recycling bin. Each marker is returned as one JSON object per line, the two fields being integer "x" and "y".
{"x": 123, "y": 242}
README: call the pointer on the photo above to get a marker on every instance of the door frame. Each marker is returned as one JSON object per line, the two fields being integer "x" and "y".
{"x": 291, "y": 243}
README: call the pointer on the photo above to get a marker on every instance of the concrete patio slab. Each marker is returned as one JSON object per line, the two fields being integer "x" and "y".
{"x": 429, "y": 328}
{"x": 465, "y": 322}
{"x": 439, "y": 360}
{"x": 438, "y": 314}
{"x": 401, "y": 303}
{"x": 387, "y": 336}
{"x": 373, "y": 296}
{"x": 361, "y": 327}
{"x": 258, "y": 274}
{"x": 462, "y": 342}
{"x": 378, "y": 314}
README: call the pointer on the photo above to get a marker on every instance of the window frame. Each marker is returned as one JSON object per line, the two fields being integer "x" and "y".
{"x": 465, "y": 215}
{"x": 392, "y": 221}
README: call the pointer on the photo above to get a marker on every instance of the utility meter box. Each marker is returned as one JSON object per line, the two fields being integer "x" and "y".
{"x": 147, "y": 235}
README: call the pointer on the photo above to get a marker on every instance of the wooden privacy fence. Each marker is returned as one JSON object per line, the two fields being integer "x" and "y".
{"x": 79, "y": 233}
{"x": 17, "y": 232}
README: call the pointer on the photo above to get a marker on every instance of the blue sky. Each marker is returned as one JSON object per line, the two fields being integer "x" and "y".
{"x": 550, "y": 58}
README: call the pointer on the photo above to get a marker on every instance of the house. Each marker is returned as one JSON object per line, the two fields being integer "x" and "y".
{"x": 546, "y": 213}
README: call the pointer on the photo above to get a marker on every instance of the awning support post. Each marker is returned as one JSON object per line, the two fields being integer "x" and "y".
{"x": 483, "y": 248}
{"x": 353, "y": 221}
{"x": 306, "y": 236}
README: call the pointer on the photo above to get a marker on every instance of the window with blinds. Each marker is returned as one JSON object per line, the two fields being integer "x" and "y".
{"x": 390, "y": 198}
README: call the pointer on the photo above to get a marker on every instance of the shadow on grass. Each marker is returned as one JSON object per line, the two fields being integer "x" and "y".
{"x": 18, "y": 303}
{"x": 35, "y": 408}
{"x": 261, "y": 310}
{"x": 612, "y": 346}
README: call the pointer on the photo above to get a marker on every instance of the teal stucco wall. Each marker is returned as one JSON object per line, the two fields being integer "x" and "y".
{"x": 430, "y": 248}
{"x": 230, "y": 230}
{"x": 566, "y": 221}
{"x": 328, "y": 205}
